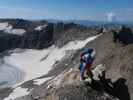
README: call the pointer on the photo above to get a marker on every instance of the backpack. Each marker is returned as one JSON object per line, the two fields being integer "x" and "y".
{"x": 88, "y": 55}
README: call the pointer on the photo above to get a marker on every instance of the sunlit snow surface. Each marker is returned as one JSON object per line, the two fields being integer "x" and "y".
{"x": 10, "y": 75}
{"x": 18, "y": 92}
{"x": 30, "y": 62}
{"x": 39, "y": 28}
{"x": 7, "y": 28}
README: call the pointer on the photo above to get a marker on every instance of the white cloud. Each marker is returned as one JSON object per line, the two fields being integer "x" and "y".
{"x": 111, "y": 16}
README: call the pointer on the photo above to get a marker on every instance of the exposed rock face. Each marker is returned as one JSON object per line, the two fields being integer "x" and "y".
{"x": 117, "y": 59}
{"x": 58, "y": 33}
{"x": 4, "y": 93}
{"x": 38, "y": 36}
{"x": 9, "y": 41}
{"x": 118, "y": 62}
{"x": 63, "y": 33}
{"x": 33, "y": 40}
{"x": 125, "y": 35}
{"x": 38, "y": 39}
{"x": 69, "y": 87}
{"x": 77, "y": 92}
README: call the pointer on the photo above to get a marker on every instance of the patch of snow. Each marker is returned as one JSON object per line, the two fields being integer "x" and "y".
{"x": 7, "y": 28}
{"x": 17, "y": 31}
{"x": 3, "y": 26}
{"x": 41, "y": 81}
{"x": 18, "y": 92}
{"x": 75, "y": 45}
{"x": 29, "y": 62}
{"x": 39, "y": 28}
{"x": 71, "y": 69}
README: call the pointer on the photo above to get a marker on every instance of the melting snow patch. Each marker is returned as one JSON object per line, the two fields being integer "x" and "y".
{"x": 17, "y": 31}
{"x": 3, "y": 25}
{"x": 71, "y": 69}
{"x": 75, "y": 45}
{"x": 39, "y": 28}
{"x": 7, "y": 28}
{"x": 18, "y": 92}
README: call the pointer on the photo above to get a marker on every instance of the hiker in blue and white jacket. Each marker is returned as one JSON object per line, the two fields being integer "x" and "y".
{"x": 86, "y": 59}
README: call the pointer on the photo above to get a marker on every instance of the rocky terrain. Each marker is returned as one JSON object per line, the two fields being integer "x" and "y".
{"x": 32, "y": 38}
{"x": 19, "y": 33}
{"x": 63, "y": 80}
{"x": 113, "y": 55}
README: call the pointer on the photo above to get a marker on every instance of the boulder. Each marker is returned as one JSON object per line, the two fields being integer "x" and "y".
{"x": 124, "y": 35}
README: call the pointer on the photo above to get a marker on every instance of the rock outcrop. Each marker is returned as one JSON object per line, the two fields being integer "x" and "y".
{"x": 77, "y": 92}
{"x": 39, "y": 34}
{"x": 35, "y": 39}
{"x": 124, "y": 35}
{"x": 118, "y": 79}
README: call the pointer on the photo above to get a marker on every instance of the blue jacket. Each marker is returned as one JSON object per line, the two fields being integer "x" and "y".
{"x": 86, "y": 57}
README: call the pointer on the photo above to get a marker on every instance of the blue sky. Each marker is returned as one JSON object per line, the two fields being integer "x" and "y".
{"x": 102, "y": 10}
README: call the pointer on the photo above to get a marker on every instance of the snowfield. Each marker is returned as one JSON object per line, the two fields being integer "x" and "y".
{"x": 4, "y": 26}
{"x": 10, "y": 75}
{"x": 18, "y": 92}
{"x": 30, "y": 62}
{"x": 39, "y": 28}
{"x": 7, "y": 28}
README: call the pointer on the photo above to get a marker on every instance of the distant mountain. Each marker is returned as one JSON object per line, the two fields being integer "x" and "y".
{"x": 92, "y": 23}
{"x": 82, "y": 22}
{"x": 39, "y": 34}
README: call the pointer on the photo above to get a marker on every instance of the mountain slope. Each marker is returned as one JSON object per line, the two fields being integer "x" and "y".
{"x": 52, "y": 73}
{"x": 116, "y": 58}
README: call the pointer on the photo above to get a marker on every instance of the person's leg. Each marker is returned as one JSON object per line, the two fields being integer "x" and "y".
{"x": 89, "y": 72}
{"x": 83, "y": 68}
